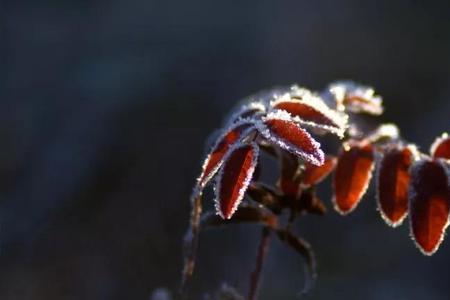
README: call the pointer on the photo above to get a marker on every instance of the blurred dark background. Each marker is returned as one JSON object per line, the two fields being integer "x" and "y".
{"x": 105, "y": 108}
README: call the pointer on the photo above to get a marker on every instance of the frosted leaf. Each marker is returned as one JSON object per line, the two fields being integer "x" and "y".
{"x": 384, "y": 132}
{"x": 289, "y": 179}
{"x": 392, "y": 183}
{"x": 441, "y": 147}
{"x": 313, "y": 175}
{"x": 429, "y": 204}
{"x": 279, "y": 128}
{"x": 234, "y": 178}
{"x": 352, "y": 176}
{"x": 356, "y": 98}
{"x": 311, "y": 111}
{"x": 215, "y": 158}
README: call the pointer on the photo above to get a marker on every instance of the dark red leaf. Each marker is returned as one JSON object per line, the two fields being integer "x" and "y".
{"x": 281, "y": 130}
{"x": 352, "y": 176}
{"x": 429, "y": 196}
{"x": 392, "y": 184}
{"x": 304, "y": 111}
{"x": 314, "y": 113}
{"x": 234, "y": 178}
{"x": 289, "y": 181}
{"x": 441, "y": 147}
{"x": 215, "y": 159}
{"x": 314, "y": 174}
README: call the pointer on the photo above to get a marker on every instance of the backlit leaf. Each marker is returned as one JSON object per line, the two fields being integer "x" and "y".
{"x": 429, "y": 198}
{"x": 234, "y": 178}
{"x": 314, "y": 174}
{"x": 352, "y": 176}
{"x": 280, "y": 129}
{"x": 289, "y": 181}
{"x": 392, "y": 184}
{"x": 215, "y": 159}
{"x": 312, "y": 111}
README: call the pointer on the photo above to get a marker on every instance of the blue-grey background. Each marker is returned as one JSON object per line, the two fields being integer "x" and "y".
{"x": 105, "y": 108}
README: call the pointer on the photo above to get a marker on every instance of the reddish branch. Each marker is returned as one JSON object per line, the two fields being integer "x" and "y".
{"x": 191, "y": 242}
{"x": 255, "y": 277}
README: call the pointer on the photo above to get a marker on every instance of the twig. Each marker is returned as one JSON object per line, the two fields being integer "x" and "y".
{"x": 304, "y": 248}
{"x": 191, "y": 241}
{"x": 256, "y": 274}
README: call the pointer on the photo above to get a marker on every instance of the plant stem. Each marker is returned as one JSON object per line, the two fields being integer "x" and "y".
{"x": 191, "y": 242}
{"x": 260, "y": 257}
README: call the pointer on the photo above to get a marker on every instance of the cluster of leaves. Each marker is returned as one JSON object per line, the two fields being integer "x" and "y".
{"x": 282, "y": 124}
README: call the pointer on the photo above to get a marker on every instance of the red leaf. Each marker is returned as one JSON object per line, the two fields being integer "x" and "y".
{"x": 392, "y": 184}
{"x": 281, "y": 130}
{"x": 441, "y": 147}
{"x": 314, "y": 174}
{"x": 289, "y": 181}
{"x": 215, "y": 159}
{"x": 352, "y": 176}
{"x": 429, "y": 196}
{"x": 234, "y": 178}
{"x": 313, "y": 112}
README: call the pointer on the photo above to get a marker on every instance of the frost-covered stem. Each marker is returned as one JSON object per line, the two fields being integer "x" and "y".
{"x": 191, "y": 242}
{"x": 261, "y": 255}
